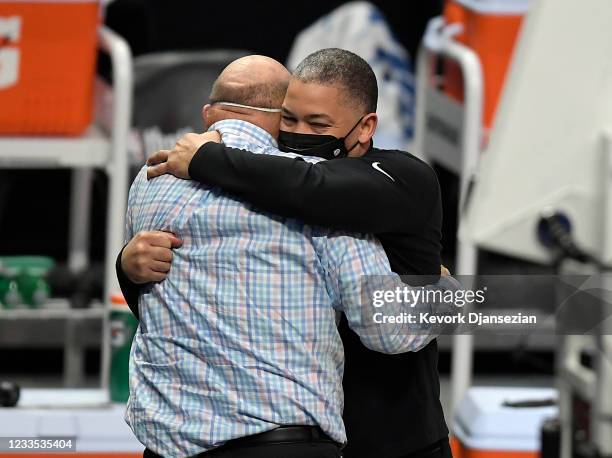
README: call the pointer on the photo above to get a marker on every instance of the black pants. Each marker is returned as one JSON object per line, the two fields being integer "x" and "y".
{"x": 298, "y": 450}
{"x": 438, "y": 450}
{"x": 309, "y": 450}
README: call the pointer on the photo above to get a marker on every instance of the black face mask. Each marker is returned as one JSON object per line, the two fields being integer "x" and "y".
{"x": 325, "y": 146}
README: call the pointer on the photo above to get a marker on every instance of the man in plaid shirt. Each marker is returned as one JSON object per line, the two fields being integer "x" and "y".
{"x": 240, "y": 340}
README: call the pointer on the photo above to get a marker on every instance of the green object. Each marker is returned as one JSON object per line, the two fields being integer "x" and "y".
{"x": 22, "y": 280}
{"x": 10, "y": 297}
{"x": 20, "y": 263}
{"x": 33, "y": 287}
{"x": 123, "y": 326}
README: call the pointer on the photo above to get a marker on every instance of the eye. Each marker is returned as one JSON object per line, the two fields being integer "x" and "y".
{"x": 319, "y": 125}
{"x": 288, "y": 119}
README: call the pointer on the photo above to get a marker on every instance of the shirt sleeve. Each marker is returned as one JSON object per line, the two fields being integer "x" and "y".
{"x": 130, "y": 290}
{"x": 336, "y": 193}
{"x": 357, "y": 273}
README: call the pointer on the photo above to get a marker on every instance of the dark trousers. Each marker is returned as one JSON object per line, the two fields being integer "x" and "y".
{"x": 438, "y": 450}
{"x": 307, "y": 450}
{"x": 297, "y": 450}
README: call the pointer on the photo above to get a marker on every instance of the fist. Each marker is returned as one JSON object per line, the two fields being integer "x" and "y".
{"x": 148, "y": 256}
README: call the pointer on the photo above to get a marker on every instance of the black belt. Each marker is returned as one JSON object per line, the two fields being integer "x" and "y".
{"x": 282, "y": 435}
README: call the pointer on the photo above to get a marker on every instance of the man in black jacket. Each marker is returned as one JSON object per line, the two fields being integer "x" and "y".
{"x": 392, "y": 406}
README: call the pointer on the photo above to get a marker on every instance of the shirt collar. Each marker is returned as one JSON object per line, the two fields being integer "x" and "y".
{"x": 238, "y": 131}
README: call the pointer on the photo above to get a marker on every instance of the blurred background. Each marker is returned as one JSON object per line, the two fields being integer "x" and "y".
{"x": 511, "y": 110}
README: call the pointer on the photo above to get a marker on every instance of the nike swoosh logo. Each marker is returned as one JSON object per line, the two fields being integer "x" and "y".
{"x": 376, "y": 166}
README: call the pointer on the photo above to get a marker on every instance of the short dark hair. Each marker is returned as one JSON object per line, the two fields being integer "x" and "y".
{"x": 334, "y": 66}
{"x": 268, "y": 95}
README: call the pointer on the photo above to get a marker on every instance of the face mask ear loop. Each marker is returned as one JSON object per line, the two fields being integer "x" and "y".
{"x": 232, "y": 104}
{"x": 352, "y": 147}
{"x": 350, "y": 132}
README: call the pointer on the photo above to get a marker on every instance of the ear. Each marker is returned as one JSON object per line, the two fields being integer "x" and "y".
{"x": 368, "y": 127}
{"x": 206, "y": 116}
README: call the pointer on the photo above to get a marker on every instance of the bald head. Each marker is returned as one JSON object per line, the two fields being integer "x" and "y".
{"x": 258, "y": 81}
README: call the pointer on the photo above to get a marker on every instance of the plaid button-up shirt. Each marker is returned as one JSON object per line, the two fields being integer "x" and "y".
{"x": 241, "y": 336}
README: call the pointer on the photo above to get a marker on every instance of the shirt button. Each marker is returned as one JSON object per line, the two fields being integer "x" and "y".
{"x": 336, "y": 152}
